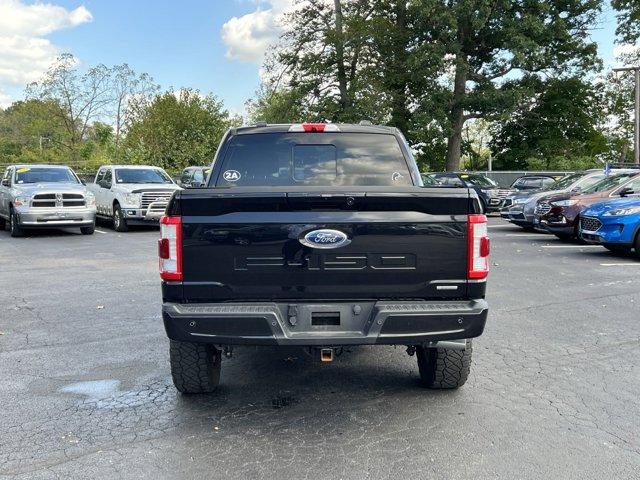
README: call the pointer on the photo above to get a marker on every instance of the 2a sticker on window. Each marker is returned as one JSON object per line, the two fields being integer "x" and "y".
{"x": 231, "y": 175}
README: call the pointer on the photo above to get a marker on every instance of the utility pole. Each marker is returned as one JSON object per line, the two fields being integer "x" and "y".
{"x": 636, "y": 142}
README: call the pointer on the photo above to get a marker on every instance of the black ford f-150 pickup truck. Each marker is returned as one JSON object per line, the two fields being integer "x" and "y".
{"x": 321, "y": 236}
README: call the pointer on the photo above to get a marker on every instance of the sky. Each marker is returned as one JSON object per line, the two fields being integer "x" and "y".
{"x": 215, "y": 46}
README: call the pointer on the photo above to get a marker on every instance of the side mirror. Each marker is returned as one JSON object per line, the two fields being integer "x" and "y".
{"x": 626, "y": 191}
{"x": 5, "y": 182}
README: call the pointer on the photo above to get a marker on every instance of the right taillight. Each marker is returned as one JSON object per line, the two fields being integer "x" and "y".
{"x": 478, "y": 247}
{"x": 170, "y": 248}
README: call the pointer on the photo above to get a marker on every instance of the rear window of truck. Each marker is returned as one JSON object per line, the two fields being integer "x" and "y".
{"x": 315, "y": 159}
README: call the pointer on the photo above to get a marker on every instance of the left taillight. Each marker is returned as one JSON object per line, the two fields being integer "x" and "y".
{"x": 478, "y": 248}
{"x": 170, "y": 248}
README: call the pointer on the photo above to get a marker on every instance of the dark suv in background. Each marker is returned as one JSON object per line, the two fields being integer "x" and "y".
{"x": 487, "y": 189}
{"x": 532, "y": 182}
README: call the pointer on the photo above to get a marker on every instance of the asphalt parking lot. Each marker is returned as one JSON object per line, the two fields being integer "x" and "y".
{"x": 86, "y": 391}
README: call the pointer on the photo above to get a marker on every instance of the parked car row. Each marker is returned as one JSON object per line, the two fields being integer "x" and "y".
{"x": 492, "y": 196}
{"x": 46, "y": 196}
{"x": 600, "y": 207}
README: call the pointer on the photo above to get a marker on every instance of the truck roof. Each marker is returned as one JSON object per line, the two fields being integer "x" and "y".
{"x": 36, "y": 165}
{"x": 285, "y": 127}
{"x": 131, "y": 166}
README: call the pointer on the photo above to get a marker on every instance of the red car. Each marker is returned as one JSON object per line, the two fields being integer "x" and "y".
{"x": 559, "y": 213}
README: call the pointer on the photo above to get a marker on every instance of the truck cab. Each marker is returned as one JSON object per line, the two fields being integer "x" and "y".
{"x": 322, "y": 236}
{"x": 132, "y": 194}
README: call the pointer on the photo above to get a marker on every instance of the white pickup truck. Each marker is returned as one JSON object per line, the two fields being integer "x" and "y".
{"x": 131, "y": 194}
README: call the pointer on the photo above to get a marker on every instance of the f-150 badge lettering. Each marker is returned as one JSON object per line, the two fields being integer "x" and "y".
{"x": 231, "y": 175}
{"x": 325, "y": 238}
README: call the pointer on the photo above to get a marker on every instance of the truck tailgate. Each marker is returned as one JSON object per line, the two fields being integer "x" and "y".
{"x": 244, "y": 244}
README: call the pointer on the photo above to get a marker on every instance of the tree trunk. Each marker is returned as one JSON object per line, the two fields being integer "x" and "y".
{"x": 342, "y": 73}
{"x": 456, "y": 116}
{"x": 398, "y": 86}
{"x": 118, "y": 128}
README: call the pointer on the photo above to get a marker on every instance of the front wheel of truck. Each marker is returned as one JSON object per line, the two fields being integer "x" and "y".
{"x": 195, "y": 367}
{"x": 442, "y": 368}
{"x": 119, "y": 222}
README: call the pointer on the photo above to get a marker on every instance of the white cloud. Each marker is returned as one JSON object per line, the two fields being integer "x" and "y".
{"x": 24, "y": 54}
{"x": 5, "y": 100}
{"x": 625, "y": 49}
{"x": 248, "y": 37}
{"x": 38, "y": 19}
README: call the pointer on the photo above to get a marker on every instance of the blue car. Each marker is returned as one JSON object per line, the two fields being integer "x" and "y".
{"x": 614, "y": 224}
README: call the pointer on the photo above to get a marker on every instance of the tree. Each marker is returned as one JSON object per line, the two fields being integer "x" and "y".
{"x": 30, "y": 128}
{"x": 177, "y": 129}
{"x": 628, "y": 29}
{"x": 83, "y": 98}
{"x": 562, "y": 120}
{"x": 494, "y": 46}
{"x": 324, "y": 61}
{"x": 429, "y": 66}
{"x": 130, "y": 91}
{"x": 620, "y": 102}
{"x": 276, "y": 105}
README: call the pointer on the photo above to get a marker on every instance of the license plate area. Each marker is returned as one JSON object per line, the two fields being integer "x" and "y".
{"x": 325, "y": 319}
{"x": 320, "y": 318}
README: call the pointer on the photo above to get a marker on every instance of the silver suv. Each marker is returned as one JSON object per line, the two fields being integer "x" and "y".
{"x": 33, "y": 196}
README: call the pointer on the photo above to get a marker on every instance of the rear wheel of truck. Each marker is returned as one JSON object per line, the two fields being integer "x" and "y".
{"x": 119, "y": 222}
{"x": 442, "y": 368}
{"x": 195, "y": 367}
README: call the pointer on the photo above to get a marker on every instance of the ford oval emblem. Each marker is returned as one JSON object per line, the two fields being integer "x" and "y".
{"x": 325, "y": 238}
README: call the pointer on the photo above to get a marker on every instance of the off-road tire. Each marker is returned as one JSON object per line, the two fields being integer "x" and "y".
{"x": 87, "y": 230}
{"x": 195, "y": 367}
{"x": 443, "y": 368}
{"x": 14, "y": 226}
{"x": 119, "y": 222}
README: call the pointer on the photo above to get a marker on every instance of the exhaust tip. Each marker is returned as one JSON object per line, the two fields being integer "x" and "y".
{"x": 326, "y": 355}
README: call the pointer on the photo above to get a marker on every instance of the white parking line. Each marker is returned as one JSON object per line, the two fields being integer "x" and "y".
{"x": 620, "y": 264}
{"x": 533, "y": 235}
{"x": 571, "y": 246}
{"x": 99, "y": 231}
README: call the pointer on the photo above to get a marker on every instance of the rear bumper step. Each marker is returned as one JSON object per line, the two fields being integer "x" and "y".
{"x": 352, "y": 323}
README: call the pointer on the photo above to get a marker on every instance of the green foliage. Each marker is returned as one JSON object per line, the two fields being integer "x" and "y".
{"x": 178, "y": 129}
{"x": 30, "y": 130}
{"x": 427, "y": 66}
{"x": 276, "y": 106}
{"x": 628, "y": 20}
{"x": 561, "y": 119}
